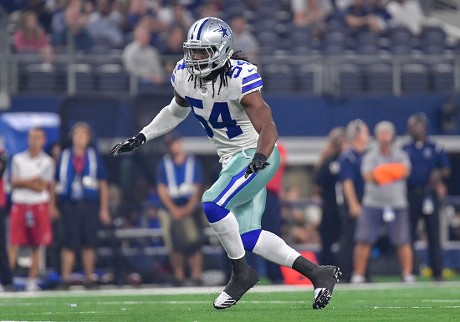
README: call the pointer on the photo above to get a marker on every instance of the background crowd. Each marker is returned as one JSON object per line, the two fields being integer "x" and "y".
{"x": 339, "y": 210}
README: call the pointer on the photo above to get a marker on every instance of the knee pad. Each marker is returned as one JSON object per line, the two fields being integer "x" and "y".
{"x": 214, "y": 212}
{"x": 250, "y": 239}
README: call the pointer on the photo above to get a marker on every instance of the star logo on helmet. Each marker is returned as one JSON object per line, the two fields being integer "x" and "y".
{"x": 223, "y": 31}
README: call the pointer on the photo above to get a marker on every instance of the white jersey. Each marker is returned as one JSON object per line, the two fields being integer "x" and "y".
{"x": 24, "y": 167}
{"x": 222, "y": 116}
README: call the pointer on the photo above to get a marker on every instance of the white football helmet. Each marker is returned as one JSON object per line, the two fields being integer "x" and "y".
{"x": 211, "y": 38}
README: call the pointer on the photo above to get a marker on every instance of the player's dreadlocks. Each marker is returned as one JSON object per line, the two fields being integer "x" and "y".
{"x": 221, "y": 73}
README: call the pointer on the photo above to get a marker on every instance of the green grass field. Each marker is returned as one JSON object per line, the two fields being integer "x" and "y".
{"x": 373, "y": 302}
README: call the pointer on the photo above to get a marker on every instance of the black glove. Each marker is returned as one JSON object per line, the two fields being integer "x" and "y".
{"x": 259, "y": 162}
{"x": 128, "y": 144}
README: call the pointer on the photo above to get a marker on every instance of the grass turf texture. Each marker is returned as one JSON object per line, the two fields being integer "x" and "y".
{"x": 372, "y": 302}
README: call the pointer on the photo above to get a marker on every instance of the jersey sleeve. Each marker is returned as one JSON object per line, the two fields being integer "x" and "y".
{"x": 249, "y": 78}
{"x": 177, "y": 75}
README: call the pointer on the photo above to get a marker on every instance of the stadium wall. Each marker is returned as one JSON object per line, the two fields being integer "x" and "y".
{"x": 295, "y": 115}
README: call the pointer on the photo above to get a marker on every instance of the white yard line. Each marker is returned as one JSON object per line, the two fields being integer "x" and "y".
{"x": 214, "y": 290}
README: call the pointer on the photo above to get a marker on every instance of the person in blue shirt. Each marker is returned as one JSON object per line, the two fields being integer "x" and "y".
{"x": 352, "y": 181}
{"x": 179, "y": 184}
{"x": 82, "y": 199}
{"x": 426, "y": 187}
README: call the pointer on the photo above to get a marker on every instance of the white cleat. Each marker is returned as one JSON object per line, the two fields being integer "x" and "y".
{"x": 224, "y": 301}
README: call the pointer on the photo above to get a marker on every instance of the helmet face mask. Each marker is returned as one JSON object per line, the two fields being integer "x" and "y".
{"x": 208, "y": 47}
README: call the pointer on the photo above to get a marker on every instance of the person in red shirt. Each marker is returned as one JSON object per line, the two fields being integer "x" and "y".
{"x": 31, "y": 38}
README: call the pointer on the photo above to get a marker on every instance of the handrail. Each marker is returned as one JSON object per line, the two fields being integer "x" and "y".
{"x": 325, "y": 68}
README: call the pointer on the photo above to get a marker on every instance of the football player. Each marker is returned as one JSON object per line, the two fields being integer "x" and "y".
{"x": 223, "y": 92}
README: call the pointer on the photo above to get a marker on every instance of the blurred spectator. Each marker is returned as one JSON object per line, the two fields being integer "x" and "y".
{"x": 179, "y": 184}
{"x": 271, "y": 219}
{"x": 138, "y": 9}
{"x": 359, "y": 17}
{"x": 105, "y": 25}
{"x": 209, "y": 9}
{"x": 341, "y": 5}
{"x": 30, "y": 37}
{"x": 311, "y": 13}
{"x": 357, "y": 134}
{"x": 6, "y": 278}
{"x": 301, "y": 225}
{"x": 381, "y": 14}
{"x": 89, "y": 6}
{"x": 172, "y": 43}
{"x": 75, "y": 23}
{"x": 175, "y": 14}
{"x": 42, "y": 12}
{"x": 325, "y": 188}
{"x": 406, "y": 13}
{"x": 82, "y": 198}
{"x": 243, "y": 39}
{"x": 58, "y": 17}
{"x": 142, "y": 59}
{"x": 32, "y": 173}
{"x": 426, "y": 187}
{"x": 385, "y": 169}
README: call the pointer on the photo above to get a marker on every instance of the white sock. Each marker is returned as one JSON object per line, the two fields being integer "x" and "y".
{"x": 275, "y": 249}
{"x": 227, "y": 230}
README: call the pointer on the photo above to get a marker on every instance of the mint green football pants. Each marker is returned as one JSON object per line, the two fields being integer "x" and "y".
{"x": 244, "y": 197}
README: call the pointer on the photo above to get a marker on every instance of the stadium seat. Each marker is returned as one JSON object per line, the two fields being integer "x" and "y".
{"x": 267, "y": 38}
{"x": 414, "y": 78}
{"x": 300, "y": 37}
{"x": 400, "y": 36}
{"x": 367, "y": 39}
{"x": 41, "y": 78}
{"x": 401, "y": 50}
{"x": 350, "y": 79}
{"x": 333, "y": 50}
{"x": 434, "y": 50}
{"x": 335, "y": 38}
{"x": 433, "y": 35}
{"x": 278, "y": 77}
{"x": 369, "y": 50}
{"x": 112, "y": 78}
{"x": 84, "y": 78}
{"x": 379, "y": 78}
{"x": 335, "y": 24}
{"x": 306, "y": 78}
{"x": 443, "y": 78}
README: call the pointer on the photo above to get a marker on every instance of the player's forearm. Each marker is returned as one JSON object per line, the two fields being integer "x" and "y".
{"x": 168, "y": 118}
{"x": 267, "y": 138}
